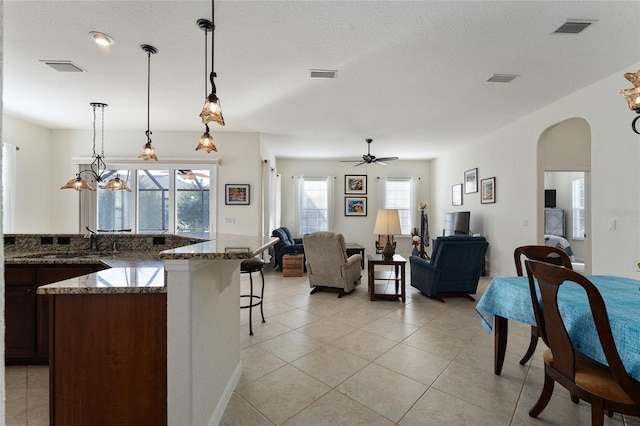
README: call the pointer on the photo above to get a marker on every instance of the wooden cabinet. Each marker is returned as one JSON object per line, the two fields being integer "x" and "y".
{"x": 27, "y": 313}
{"x": 108, "y": 359}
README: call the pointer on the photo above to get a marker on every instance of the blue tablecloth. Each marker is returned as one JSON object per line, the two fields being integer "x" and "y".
{"x": 509, "y": 297}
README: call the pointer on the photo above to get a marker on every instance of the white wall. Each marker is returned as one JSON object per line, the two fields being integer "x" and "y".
{"x": 511, "y": 155}
{"x": 45, "y": 163}
{"x": 356, "y": 229}
{"x": 34, "y": 180}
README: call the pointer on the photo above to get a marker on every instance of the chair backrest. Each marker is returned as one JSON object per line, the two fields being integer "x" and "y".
{"x": 546, "y": 254}
{"x": 549, "y": 278}
{"x": 459, "y": 257}
{"x": 284, "y": 235}
{"x": 326, "y": 252}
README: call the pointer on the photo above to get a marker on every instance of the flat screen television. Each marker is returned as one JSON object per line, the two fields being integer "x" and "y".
{"x": 550, "y": 198}
{"x": 456, "y": 223}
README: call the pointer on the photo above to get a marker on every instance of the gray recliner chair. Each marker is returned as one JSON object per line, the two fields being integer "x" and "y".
{"x": 328, "y": 265}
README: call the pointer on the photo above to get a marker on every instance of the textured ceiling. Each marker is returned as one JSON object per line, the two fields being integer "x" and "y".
{"x": 411, "y": 74}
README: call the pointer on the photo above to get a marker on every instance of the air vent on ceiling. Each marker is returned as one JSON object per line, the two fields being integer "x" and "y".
{"x": 502, "y": 78}
{"x": 63, "y": 66}
{"x": 323, "y": 73}
{"x": 573, "y": 26}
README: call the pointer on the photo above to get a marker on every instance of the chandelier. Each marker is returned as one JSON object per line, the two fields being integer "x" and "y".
{"x": 98, "y": 168}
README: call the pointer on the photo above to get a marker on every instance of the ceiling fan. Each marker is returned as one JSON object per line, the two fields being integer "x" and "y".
{"x": 190, "y": 174}
{"x": 370, "y": 159}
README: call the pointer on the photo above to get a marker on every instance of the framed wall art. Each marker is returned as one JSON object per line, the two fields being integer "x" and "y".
{"x": 355, "y": 206}
{"x": 456, "y": 195}
{"x": 236, "y": 194}
{"x": 355, "y": 184}
{"x": 488, "y": 190}
{"x": 471, "y": 181}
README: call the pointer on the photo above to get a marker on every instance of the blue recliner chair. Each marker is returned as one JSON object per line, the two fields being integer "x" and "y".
{"x": 286, "y": 245}
{"x": 454, "y": 269}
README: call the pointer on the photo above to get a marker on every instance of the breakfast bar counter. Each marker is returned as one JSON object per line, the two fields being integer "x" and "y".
{"x": 156, "y": 336}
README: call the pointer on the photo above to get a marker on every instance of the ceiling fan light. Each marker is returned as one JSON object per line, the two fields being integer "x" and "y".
{"x": 148, "y": 152}
{"x": 212, "y": 111}
{"x": 117, "y": 184}
{"x": 78, "y": 184}
{"x": 206, "y": 143}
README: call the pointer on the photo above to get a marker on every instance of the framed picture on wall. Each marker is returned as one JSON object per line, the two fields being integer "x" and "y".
{"x": 471, "y": 181}
{"x": 355, "y": 184}
{"x": 236, "y": 194}
{"x": 355, "y": 206}
{"x": 488, "y": 190}
{"x": 456, "y": 195}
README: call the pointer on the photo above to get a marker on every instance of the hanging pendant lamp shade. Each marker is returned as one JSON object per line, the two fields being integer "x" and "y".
{"x": 206, "y": 141}
{"x": 117, "y": 184}
{"x": 78, "y": 184}
{"x": 148, "y": 152}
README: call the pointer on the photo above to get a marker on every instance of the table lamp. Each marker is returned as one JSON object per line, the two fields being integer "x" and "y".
{"x": 387, "y": 223}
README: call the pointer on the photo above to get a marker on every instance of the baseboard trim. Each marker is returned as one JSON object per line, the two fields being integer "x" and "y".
{"x": 216, "y": 417}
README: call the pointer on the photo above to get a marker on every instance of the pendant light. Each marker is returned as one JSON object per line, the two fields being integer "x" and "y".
{"x": 98, "y": 168}
{"x": 148, "y": 152}
{"x": 212, "y": 110}
{"x": 633, "y": 96}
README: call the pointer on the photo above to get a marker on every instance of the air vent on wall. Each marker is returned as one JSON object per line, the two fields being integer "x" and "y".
{"x": 502, "y": 78}
{"x": 323, "y": 73}
{"x": 573, "y": 26}
{"x": 63, "y": 66}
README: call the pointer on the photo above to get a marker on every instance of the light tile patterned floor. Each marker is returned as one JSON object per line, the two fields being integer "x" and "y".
{"x": 320, "y": 360}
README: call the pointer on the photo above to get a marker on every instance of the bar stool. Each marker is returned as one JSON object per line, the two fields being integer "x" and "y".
{"x": 248, "y": 266}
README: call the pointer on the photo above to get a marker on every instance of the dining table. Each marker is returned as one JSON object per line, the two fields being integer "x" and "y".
{"x": 509, "y": 298}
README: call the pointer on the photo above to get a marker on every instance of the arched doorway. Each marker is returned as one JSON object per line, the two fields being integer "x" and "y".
{"x": 564, "y": 166}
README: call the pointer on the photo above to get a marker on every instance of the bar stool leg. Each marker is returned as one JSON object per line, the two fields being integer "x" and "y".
{"x": 262, "y": 295}
{"x": 250, "y": 303}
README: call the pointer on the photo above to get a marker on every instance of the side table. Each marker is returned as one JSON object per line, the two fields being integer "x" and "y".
{"x": 353, "y": 248}
{"x": 397, "y": 275}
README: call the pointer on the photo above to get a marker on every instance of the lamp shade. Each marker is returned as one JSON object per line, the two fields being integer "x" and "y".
{"x": 387, "y": 222}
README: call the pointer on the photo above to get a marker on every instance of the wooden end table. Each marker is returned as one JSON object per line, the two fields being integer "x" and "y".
{"x": 397, "y": 275}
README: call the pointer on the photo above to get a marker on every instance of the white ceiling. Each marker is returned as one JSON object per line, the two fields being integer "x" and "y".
{"x": 411, "y": 74}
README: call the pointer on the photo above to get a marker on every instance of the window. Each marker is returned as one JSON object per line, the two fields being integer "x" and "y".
{"x": 163, "y": 199}
{"x": 577, "y": 196}
{"x": 314, "y": 204}
{"x": 398, "y": 194}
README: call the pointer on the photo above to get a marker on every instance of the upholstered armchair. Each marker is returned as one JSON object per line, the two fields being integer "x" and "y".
{"x": 328, "y": 266}
{"x": 454, "y": 268}
{"x": 286, "y": 245}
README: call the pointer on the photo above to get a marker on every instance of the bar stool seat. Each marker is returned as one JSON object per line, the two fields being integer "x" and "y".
{"x": 248, "y": 266}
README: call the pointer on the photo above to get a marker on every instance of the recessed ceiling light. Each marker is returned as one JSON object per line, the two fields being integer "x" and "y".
{"x": 101, "y": 38}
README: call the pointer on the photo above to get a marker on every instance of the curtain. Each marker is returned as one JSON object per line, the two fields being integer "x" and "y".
{"x": 8, "y": 187}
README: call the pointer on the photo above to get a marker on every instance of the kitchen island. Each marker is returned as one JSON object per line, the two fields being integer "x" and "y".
{"x": 181, "y": 327}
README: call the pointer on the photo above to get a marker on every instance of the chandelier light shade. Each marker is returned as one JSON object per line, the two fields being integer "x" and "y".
{"x": 148, "y": 152}
{"x": 387, "y": 223}
{"x": 98, "y": 168}
{"x": 206, "y": 141}
{"x": 633, "y": 96}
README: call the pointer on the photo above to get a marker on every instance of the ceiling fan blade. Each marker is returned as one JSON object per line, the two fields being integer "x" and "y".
{"x": 382, "y": 163}
{"x": 386, "y": 159}
{"x": 360, "y": 163}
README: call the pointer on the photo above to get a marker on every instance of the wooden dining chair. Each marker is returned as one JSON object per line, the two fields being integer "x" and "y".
{"x": 606, "y": 388}
{"x": 547, "y": 254}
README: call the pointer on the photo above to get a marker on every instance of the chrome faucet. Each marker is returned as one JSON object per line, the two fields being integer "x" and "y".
{"x": 94, "y": 238}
